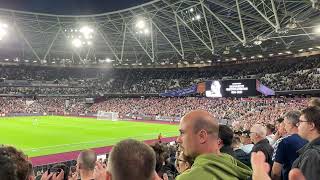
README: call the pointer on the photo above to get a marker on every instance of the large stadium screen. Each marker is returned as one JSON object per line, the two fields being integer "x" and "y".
{"x": 231, "y": 88}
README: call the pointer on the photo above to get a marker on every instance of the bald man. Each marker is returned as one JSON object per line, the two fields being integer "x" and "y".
{"x": 199, "y": 140}
{"x": 258, "y": 135}
{"x": 85, "y": 164}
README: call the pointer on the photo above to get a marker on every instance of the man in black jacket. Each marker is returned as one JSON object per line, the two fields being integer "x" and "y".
{"x": 258, "y": 136}
{"x": 309, "y": 128}
{"x": 239, "y": 153}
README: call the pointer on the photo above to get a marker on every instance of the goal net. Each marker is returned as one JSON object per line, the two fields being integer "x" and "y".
{"x": 102, "y": 115}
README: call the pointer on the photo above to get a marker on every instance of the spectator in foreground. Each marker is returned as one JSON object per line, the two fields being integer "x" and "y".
{"x": 226, "y": 136}
{"x": 86, "y": 163}
{"x": 281, "y": 134}
{"x": 246, "y": 142}
{"x": 309, "y": 128}
{"x": 163, "y": 166}
{"x": 239, "y": 153}
{"x": 286, "y": 152}
{"x": 270, "y": 135}
{"x": 183, "y": 162}
{"x": 260, "y": 168}
{"x": 24, "y": 169}
{"x": 199, "y": 139}
{"x": 129, "y": 159}
{"x": 258, "y": 136}
{"x": 8, "y": 170}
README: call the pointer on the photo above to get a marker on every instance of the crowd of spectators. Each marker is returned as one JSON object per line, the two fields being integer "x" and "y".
{"x": 242, "y": 112}
{"x": 204, "y": 149}
{"x": 279, "y": 75}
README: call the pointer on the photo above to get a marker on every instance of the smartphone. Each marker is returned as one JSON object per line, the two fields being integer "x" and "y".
{"x": 54, "y": 170}
{"x": 73, "y": 169}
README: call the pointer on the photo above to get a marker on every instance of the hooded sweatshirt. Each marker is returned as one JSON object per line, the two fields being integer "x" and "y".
{"x": 212, "y": 167}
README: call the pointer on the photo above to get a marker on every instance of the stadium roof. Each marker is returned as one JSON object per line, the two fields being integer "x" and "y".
{"x": 163, "y": 32}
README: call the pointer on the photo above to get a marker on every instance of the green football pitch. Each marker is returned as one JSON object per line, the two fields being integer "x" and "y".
{"x": 47, "y": 135}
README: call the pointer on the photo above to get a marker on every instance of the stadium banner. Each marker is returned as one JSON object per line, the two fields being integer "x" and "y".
{"x": 264, "y": 89}
{"x": 180, "y": 92}
{"x": 236, "y": 88}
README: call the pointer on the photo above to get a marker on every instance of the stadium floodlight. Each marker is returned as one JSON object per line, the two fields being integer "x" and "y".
{"x": 252, "y": 57}
{"x": 310, "y": 49}
{"x": 317, "y": 30}
{"x": 260, "y": 56}
{"x": 141, "y": 24}
{"x": 301, "y": 50}
{"x": 191, "y": 10}
{"x": 89, "y": 43}
{"x": 271, "y": 55}
{"x": 146, "y": 31}
{"x": 288, "y": 52}
{"x": 318, "y": 47}
{"x": 257, "y": 42}
{"x": 86, "y": 32}
{"x": 198, "y": 17}
{"x": 3, "y": 30}
{"x": 108, "y": 60}
{"x": 77, "y": 43}
{"x": 280, "y": 53}
{"x": 209, "y": 61}
{"x": 244, "y": 58}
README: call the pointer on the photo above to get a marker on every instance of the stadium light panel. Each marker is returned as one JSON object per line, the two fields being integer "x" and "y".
{"x": 280, "y": 53}
{"x": 141, "y": 24}
{"x": 317, "y": 30}
{"x": 3, "y": 30}
{"x": 86, "y": 32}
{"x": 108, "y": 60}
{"x": 301, "y": 50}
{"x": 209, "y": 61}
{"x": 191, "y": 10}
{"x": 244, "y": 58}
{"x": 198, "y": 17}
{"x": 76, "y": 43}
{"x": 257, "y": 42}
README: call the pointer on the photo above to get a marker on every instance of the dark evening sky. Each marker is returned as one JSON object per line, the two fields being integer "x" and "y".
{"x": 70, "y": 7}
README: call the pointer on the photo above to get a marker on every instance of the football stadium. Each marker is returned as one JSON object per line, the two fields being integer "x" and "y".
{"x": 160, "y": 90}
